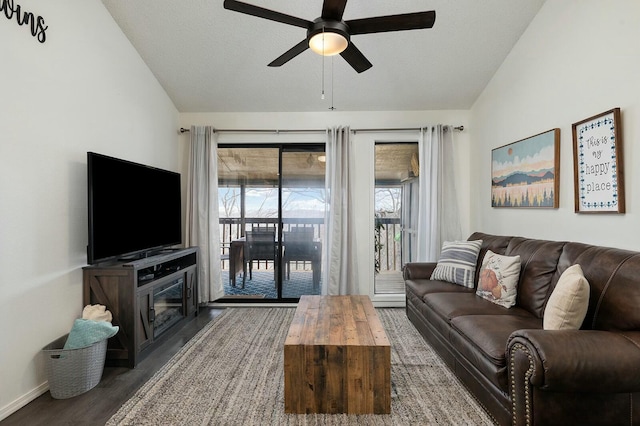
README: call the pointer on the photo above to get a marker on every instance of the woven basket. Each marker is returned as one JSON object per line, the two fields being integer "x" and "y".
{"x": 72, "y": 372}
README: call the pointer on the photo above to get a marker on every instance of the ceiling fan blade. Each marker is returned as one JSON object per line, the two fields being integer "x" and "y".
{"x": 260, "y": 12}
{"x": 333, "y": 9}
{"x": 290, "y": 54}
{"x": 355, "y": 58}
{"x": 381, "y": 24}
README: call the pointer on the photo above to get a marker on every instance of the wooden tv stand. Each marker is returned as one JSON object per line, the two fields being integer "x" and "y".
{"x": 148, "y": 298}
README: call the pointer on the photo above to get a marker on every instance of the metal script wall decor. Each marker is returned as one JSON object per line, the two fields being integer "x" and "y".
{"x": 12, "y": 10}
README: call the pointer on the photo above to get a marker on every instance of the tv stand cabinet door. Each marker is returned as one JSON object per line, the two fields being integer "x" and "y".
{"x": 112, "y": 287}
{"x": 145, "y": 318}
{"x": 191, "y": 291}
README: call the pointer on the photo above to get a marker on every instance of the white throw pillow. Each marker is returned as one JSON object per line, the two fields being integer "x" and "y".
{"x": 457, "y": 262}
{"x": 499, "y": 277}
{"x": 567, "y": 306}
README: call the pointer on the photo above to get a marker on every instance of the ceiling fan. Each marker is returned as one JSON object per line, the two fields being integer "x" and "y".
{"x": 329, "y": 35}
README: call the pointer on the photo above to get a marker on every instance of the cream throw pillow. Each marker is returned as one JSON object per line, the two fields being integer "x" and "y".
{"x": 567, "y": 306}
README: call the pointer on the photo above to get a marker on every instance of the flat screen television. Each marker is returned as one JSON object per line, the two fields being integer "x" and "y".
{"x": 134, "y": 209}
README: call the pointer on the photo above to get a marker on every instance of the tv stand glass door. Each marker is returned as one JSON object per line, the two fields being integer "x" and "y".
{"x": 167, "y": 305}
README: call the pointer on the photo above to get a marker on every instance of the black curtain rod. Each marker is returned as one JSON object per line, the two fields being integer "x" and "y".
{"x": 398, "y": 129}
{"x": 183, "y": 130}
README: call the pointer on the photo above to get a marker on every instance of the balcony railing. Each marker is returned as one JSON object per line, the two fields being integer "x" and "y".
{"x": 234, "y": 228}
{"x": 389, "y": 244}
{"x": 388, "y": 252}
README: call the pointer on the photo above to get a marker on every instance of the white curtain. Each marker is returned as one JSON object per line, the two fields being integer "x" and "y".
{"x": 438, "y": 217}
{"x": 340, "y": 275}
{"x": 202, "y": 223}
{"x": 410, "y": 203}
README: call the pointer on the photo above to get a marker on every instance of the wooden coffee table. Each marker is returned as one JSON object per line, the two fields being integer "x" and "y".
{"x": 337, "y": 358}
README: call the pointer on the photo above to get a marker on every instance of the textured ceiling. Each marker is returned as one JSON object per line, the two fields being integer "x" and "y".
{"x": 209, "y": 59}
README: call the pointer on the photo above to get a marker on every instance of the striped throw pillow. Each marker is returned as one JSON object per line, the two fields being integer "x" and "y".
{"x": 457, "y": 262}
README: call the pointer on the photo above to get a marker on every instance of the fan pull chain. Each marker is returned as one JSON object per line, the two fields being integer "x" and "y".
{"x": 332, "y": 107}
{"x": 322, "y": 96}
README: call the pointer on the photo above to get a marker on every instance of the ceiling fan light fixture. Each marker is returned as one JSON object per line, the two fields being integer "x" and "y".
{"x": 337, "y": 32}
{"x": 328, "y": 38}
{"x": 328, "y": 43}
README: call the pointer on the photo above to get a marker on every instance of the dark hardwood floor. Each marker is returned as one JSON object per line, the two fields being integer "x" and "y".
{"x": 118, "y": 384}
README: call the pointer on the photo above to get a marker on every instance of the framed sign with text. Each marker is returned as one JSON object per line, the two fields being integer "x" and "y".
{"x": 598, "y": 164}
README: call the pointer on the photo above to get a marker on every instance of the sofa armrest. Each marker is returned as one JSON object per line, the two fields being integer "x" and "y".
{"x": 578, "y": 361}
{"x": 573, "y": 376}
{"x": 418, "y": 270}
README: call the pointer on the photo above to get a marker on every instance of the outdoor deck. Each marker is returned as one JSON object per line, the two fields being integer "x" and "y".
{"x": 262, "y": 286}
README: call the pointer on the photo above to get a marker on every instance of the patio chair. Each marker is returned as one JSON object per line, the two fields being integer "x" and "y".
{"x": 299, "y": 246}
{"x": 259, "y": 245}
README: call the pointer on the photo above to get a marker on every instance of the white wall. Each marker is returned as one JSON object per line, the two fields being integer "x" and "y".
{"x": 84, "y": 89}
{"x": 364, "y": 143}
{"x": 576, "y": 59}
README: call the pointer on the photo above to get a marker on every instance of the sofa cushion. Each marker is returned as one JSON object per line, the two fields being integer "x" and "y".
{"x": 489, "y": 333}
{"x": 451, "y": 305}
{"x": 498, "y": 282}
{"x": 568, "y": 303}
{"x": 613, "y": 281}
{"x": 539, "y": 260}
{"x": 482, "y": 338}
{"x": 424, "y": 286}
{"x": 495, "y": 243}
{"x": 441, "y": 308}
{"x": 457, "y": 262}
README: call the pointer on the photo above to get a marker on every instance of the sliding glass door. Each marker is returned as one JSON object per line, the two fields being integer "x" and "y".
{"x": 271, "y": 201}
{"x": 303, "y": 207}
{"x": 395, "y": 194}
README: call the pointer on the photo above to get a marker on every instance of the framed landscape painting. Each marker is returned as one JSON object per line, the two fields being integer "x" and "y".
{"x": 526, "y": 173}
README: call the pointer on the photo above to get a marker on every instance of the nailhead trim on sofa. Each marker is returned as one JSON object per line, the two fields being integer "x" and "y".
{"x": 527, "y": 395}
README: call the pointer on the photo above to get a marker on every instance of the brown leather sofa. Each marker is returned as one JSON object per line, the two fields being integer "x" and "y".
{"x": 520, "y": 373}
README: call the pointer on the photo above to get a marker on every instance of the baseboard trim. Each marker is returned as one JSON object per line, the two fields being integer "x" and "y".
{"x": 17, "y": 404}
{"x": 384, "y": 301}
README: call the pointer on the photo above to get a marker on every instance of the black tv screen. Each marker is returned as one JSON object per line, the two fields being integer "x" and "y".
{"x": 133, "y": 208}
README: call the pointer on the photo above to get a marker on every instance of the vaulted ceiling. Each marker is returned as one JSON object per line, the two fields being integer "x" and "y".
{"x": 209, "y": 59}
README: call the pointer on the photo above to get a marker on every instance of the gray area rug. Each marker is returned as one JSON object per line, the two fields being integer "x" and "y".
{"x": 231, "y": 373}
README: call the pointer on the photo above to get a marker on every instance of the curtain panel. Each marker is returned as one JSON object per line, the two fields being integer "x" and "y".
{"x": 340, "y": 275}
{"x": 202, "y": 218}
{"x": 438, "y": 217}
